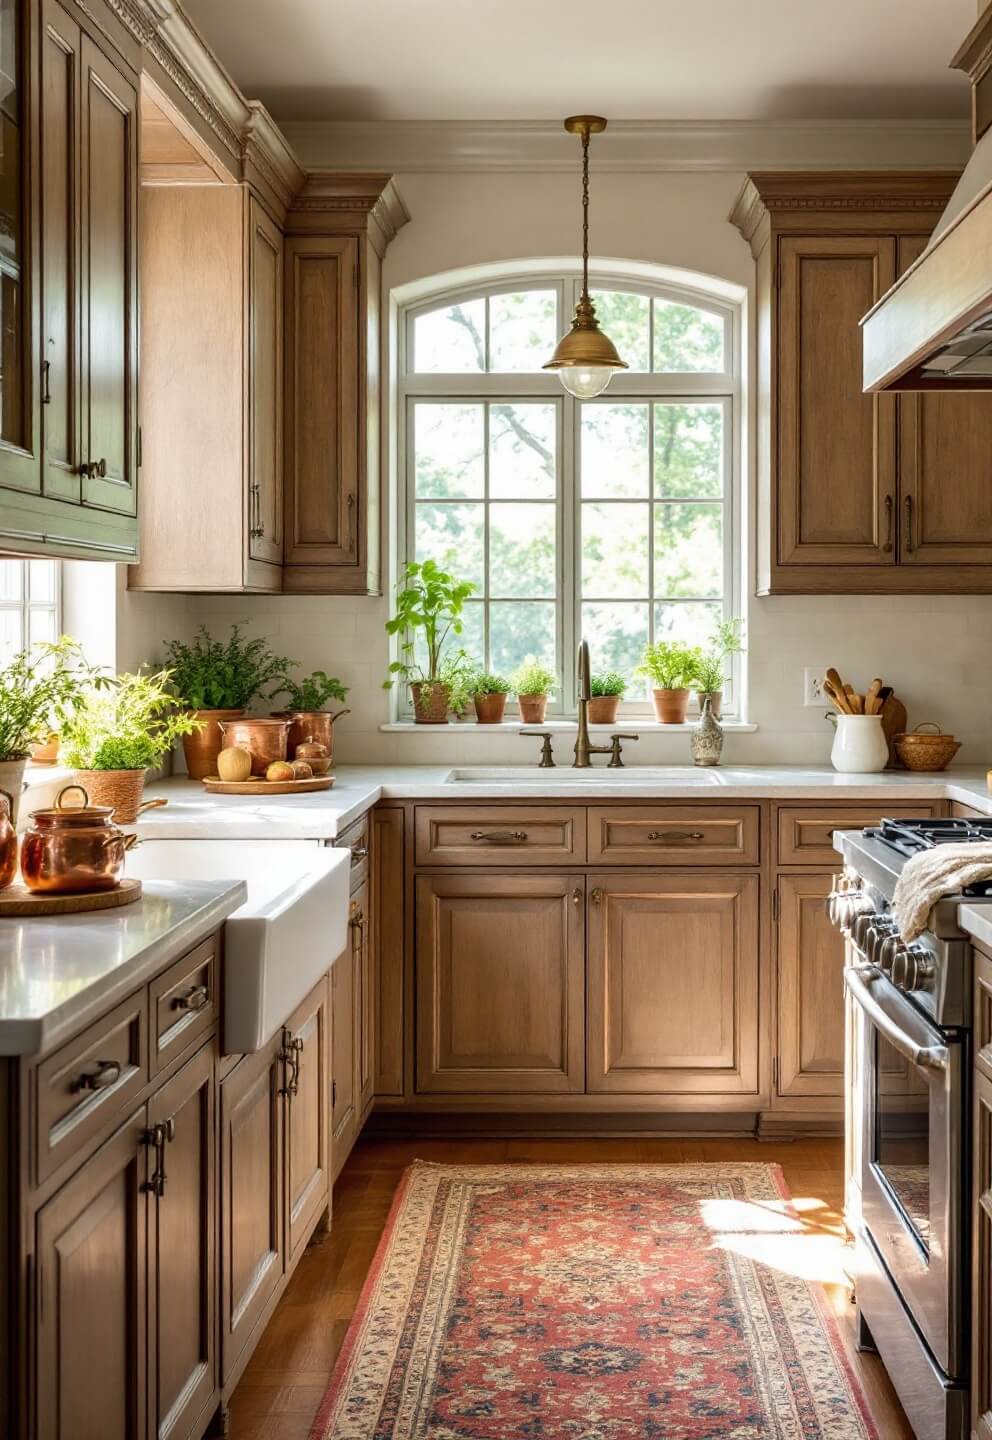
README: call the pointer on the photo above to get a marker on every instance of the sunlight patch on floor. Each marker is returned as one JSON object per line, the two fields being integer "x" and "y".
{"x": 788, "y": 1236}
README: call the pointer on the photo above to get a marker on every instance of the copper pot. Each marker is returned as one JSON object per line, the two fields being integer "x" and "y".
{"x": 203, "y": 746}
{"x": 263, "y": 738}
{"x": 68, "y": 850}
{"x": 305, "y": 725}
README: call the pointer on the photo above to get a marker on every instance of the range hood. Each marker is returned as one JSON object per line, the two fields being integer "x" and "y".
{"x": 933, "y": 329}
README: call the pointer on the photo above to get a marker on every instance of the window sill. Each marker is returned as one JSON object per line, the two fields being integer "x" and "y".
{"x": 558, "y": 727}
{"x": 46, "y": 775}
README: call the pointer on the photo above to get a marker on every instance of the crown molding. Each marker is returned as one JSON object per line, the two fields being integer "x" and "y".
{"x": 400, "y": 147}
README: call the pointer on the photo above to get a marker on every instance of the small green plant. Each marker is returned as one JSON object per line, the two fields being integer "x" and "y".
{"x": 40, "y": 689}
{"x": 310, "y": 693}
{"x": 429, "y": 605}
{"x": 671, "y": 665}
{"x": 458, "y": 672}
{"x": 129, "y": 725}
{"x": 612, "y": 683}
{"x": 533, "y": 678}
{"x": 486, "y": 684}
{"x": 725, "y": 641}
{"x": 211, "y": 674}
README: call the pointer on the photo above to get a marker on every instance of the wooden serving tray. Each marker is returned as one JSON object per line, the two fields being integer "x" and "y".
{"x": 17, "y": 899}
{"x": 216, "y": 786}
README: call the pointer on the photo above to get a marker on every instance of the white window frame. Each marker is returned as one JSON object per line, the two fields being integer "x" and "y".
{"x": 23, "y": 604}
{"x": 723, "y": 299}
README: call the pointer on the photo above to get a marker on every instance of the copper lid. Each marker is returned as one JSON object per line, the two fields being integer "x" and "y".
{"x": 81, "y": 815}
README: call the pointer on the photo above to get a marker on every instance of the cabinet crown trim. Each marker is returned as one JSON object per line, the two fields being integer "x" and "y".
{"x": 767, "y": 192}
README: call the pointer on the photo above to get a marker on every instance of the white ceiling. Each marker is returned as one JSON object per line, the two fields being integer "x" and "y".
{"x": 628, "y": 59}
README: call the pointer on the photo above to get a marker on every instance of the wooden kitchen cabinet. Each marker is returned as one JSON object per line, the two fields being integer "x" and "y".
{"x": 389, "y": 923}
{"x": 306, "y": 1043}
{"x": 673, "y": 984}
{"x": 981, "y": 1300}
{"x": 810, "y": 991}
{"x": 352, "y": 1050}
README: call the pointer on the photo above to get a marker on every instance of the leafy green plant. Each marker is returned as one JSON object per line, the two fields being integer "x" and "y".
{"x": 129, "y": 725}
{"x": 310, "y": 693}
{"x": 458, "y": 672}
{"x": 429, "y": 605}
{"x": 670, "y": 665}
{"x": 486, "y": 684}
{"x": 39, "y": 690}
{"x": 726, "y": 640}
{"x": 533, "y": 678}
{"x": 211, "y": 674}
{"x": 612, "y": 683}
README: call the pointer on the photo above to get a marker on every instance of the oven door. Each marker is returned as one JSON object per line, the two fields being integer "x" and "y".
{"x": 912, "y": 1107}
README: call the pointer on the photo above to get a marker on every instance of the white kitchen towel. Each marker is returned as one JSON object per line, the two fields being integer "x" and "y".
{"x": 931, "y": 874}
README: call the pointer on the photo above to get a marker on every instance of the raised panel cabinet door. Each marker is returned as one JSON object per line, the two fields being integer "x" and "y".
{"x": 499, "y": 966}
{"x": 91, "y": 1315}
{"x": 345, "y": 988}
{"x": 253, "y": 1187}
{"x": 810, "y": 990}
{"x": 182, "y": 1249}
{"x": 388, "y": 933}
{"x": 265, "y": 361}
{"x": 361, "y": 939}
{"x": 836, "y": 465}
{"x": 324, "y": 526}
{"x": 673, "y": 992}
{"x": 306, "y": 1042}
{"x": 981, "y": 1269}
{"x": 109, "y": 139}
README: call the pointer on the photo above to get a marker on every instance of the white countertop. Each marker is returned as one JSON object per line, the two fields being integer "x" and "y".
{"x": 192, "y": 813}
{"x": 57, "y": 973}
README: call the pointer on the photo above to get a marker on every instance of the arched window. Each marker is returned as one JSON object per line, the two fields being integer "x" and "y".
{"x": 614, "y": 519}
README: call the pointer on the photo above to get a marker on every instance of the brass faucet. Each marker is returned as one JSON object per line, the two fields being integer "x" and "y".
{"x": 583, "y": 746}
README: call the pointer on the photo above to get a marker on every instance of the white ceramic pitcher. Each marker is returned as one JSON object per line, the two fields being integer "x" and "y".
{"x": 860, "y": 746}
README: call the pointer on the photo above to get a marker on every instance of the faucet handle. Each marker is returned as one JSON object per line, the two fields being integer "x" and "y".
{"x": 616, "y": 763}
{"x": 547, "y": 760}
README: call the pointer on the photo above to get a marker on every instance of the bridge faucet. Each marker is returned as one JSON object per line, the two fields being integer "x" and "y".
{"x": 583, "y": 747}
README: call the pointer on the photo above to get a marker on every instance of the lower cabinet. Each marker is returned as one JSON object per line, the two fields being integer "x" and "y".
{"x": 810, "y": 991}
{"x": 352, "y": 1063}
{"x": 308, "y": 1136}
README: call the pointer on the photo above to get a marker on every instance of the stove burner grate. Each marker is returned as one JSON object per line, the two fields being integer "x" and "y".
{"x": 909, "y": 837}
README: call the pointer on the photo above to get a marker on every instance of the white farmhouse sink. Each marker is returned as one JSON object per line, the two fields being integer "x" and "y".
{"x": 633, "y": 775}
{"x": 290, "y": 931}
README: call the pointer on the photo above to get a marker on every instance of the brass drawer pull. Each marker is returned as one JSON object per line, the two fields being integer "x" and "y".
{"x": 158, "y": 1136}
{"x": 672, "y": 837}
{"x": 292, "y": 1049}
{"x": 107, "y": 1073}
{"x": 359, "y": 853}
{"x": 596, "y": 896}
{"x": 500, "y": 837}
{"x": 577, "y": 896}
{"x": 194, "y": 999}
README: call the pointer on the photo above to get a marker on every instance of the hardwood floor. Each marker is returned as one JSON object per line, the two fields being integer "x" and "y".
{"x": 288, "y": 1374}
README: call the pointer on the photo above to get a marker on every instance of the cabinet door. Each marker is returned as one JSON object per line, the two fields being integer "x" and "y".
{"x": 388, "y": 937}
{"x": 981, "y": 1300}
{"x": 109, "y": 192}
{"x": 344, "y": 1097}
{"x": 306, "y": 1042}
{"x": 361, "y": 932}
{"x": 836, "y": 466}
{"x": 182, "y": 1251}
{"x": 499, "y": 983}
{"x": 252, "y": 1195}
{"x": 810, "y": 990}
{"x": 92, "y": 1324}
{"x": 265, "y": 361}
{"x": 673, "y": 984}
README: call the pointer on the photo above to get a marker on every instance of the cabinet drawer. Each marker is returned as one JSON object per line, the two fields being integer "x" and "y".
{"x": 182, "y": 1004}
{"x": 805, "y": 832}
{"x": 356, "y": 839}
{"x": 83, "y": 1088}
{"x": 673, "y": 835}
{"x": 544, "y": 834}
{"x": 983, "y": 1011}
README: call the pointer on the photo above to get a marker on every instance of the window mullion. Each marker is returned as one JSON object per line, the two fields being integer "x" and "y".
{"x": 570, "y": 564}
{"x": 486, "y": 587}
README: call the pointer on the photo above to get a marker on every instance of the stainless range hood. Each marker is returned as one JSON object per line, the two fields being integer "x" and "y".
{"x": 933, "y": 329}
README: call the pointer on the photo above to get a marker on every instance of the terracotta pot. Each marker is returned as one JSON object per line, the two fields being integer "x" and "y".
{"x": 532, "y": 708}
{"x": 670, "y": 706}
{"x": 603, "y": 709}
{"x": 307, "y": 725}
{"x": 430, "y": 702}
{"x": 120, "y": 791}
{"x": 489, "y": 708}
{"x": 12, "y": 784}
{"x": 45, "y": 752}
{"x": 716, "y": 701}
{"x": 73, "y": 848}
{"x": 263, "y": 737}
{"x": 203, "y": 746}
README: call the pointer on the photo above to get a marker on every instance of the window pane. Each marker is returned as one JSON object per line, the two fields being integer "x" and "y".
{"x": 470, "y": 640}
{"x": 451, "y": 341}
{"x": 518, "y": 629}
{"x": 614, "y": 451}
{"x": 10, "y": 634}
{"x": 42, "y": 581}
{"x": 617, "y": 635}
{"x": 522, "y": 550}
{"x": 693, "y": 624}
{"x": 452, "y": 535}
{"x": 448, "y": 446}
{"x": 614, "y": 551}
{"x": 688, "y": 550}
{"x": 41, "y": 625}
{"x": 523, "y": 329}
{"x": 523, "y": 444}
{"x": 686, "y": 338}
{"x": 688, "y": 450}
{"x": 11, "y": 577}
{"x": 624, "y": 318}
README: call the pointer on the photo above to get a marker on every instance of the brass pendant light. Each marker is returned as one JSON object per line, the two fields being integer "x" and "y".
{"x": 585, "y": 358}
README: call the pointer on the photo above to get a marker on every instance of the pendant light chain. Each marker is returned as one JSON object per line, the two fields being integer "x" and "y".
{"x": 585, "y": 213}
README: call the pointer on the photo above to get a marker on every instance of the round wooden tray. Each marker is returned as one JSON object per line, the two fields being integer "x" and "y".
{"x": 216, "y": 786}
{"x": 17, "y": 899}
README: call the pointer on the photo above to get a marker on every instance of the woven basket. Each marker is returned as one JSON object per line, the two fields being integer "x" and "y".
{"x": 920, "y": 751}
{"x": 122, "y": 789}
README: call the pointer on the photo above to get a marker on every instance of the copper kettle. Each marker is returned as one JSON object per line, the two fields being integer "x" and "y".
{"x": 69, "y": 849}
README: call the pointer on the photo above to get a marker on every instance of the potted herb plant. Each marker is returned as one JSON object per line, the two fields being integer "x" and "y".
{"x": 489, "y": 694}
{"x": 458, "y": 672}
{"x": 605, "y": 693}
{"x": 119, "y": 732}
{"x": 307, "y": 712}
{"x": 533, "y": 684}
{"x": 672, "y": 669}
{"x": 217, "y": 680}
{"x": 429, "y": 605}
{"x": 711, "y": 676}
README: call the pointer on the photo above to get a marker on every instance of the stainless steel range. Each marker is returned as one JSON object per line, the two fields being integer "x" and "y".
{"x": 909, "y": 1011}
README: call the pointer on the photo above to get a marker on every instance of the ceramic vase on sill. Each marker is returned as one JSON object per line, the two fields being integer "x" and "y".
{"x": 12, "y": 784}
{"x": 670, "y": 706}
{"x": 716, "y": 702}
{"x": 706, "y": 742}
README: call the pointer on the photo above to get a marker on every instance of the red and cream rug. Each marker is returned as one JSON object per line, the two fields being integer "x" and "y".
{"x": 620, "y": 1302}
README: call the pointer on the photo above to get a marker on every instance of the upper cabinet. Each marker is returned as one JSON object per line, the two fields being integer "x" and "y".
{"x": 856, "y": 493}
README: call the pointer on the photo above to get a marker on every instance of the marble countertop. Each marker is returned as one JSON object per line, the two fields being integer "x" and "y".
{"x": 58, "y": 973}
{"x": 192, "y": 813}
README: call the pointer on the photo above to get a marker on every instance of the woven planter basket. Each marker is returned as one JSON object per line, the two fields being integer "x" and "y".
{"x": 122, "y": 789}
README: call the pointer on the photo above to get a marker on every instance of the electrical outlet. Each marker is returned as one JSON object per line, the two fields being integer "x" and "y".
{"x": 813, "y": 695}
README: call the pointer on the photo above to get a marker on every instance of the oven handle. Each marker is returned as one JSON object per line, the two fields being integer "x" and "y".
{"x": 858, "y": 979}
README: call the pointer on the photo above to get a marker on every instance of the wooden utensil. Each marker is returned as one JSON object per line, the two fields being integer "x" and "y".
{"x": 837, "y": 696}
{"x": 835, "y": 681}
{"x": 854, "y": 700}
{"x": 893, "y": 723}
{"x": 872, "y": 703}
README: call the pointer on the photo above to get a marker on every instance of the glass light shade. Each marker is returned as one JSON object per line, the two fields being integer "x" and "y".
{"x": 585, "y": 381}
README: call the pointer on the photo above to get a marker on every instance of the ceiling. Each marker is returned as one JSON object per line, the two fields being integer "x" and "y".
{"x": 629, "y": 59}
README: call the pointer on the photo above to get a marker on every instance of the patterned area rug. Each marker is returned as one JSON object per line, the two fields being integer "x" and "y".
{"x": 620, "y": 1302}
